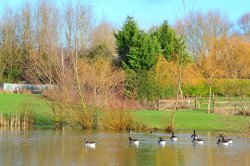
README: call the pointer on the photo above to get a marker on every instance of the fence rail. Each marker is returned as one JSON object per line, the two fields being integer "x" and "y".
{"x": 182, "y": 104}
{"x": 231, "y": 106}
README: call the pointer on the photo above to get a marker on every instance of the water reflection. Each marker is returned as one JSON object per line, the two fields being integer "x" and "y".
{"x": 54, "y": 147}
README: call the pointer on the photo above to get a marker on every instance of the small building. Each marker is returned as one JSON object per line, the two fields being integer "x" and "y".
{"x": 24, "y": 88}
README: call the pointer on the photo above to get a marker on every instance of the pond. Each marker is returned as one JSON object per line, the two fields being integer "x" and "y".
{"x": 49, "y": 147}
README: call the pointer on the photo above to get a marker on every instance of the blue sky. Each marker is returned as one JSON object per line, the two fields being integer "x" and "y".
{"x": 152, "y": 12}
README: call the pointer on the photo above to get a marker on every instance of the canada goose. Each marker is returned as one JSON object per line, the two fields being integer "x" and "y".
{"x": 229, "y": 140}
{"x": 161, "y": 141}
{"x": 222, "y": 138}
{"x": 197, "y": 141}
{"x": 89, "y": 144}
{"x": 194, "y": 135}
{"x": 173, "y": 137}
{"x": 221, "y": 142}
{"x": 133, "y": 141}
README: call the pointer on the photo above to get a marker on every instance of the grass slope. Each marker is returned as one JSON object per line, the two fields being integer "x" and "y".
{"x": 192, "y": 119}
{"x": 188, "y": 119}
{"x": 16, "y": 103}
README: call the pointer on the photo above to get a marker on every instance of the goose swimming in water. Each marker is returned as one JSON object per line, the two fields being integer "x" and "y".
{"x": 229, "y": 140}
{"x": 221, "y": 141}
{"x": 161, "y": 141}
{"x": 173, "y": 137}
{"x": 194, "y": 135}
{"x": 133, "y": 141}
{"x": 89, "y": 144}
{"x": 225, "y": 139}
{"x": 197, "y": 141}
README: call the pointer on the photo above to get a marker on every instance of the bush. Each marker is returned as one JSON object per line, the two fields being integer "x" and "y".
{"x": 232, "y": 87}
{"x": 221, "y": 87}
{"x": 196, "y": 90}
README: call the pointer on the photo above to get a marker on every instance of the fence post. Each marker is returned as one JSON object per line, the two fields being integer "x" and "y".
{"x": 157, "y": 104}
{"x": 235, "y": 107}
{"x": 213, "y": 104}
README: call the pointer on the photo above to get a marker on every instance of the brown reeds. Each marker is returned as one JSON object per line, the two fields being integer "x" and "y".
{"x": 118, "y": 115}
{"x": 16, "y": 119}
{"x": 117, "y": 119}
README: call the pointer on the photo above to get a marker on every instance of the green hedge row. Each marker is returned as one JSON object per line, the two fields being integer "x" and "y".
{"x": 221, "y": 87}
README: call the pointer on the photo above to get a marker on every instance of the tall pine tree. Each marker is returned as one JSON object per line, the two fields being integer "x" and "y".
{"x": 137, "y": 50}
{"x": 172, "y": 46}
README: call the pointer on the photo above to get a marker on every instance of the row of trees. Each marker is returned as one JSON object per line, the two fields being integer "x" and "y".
{"x": 96, "y": 65}
{"x": 164, "y": 62}
{"x": 140, "y": 52}
{"x": 35, "y": 40}
{"x": 58, "y": 45}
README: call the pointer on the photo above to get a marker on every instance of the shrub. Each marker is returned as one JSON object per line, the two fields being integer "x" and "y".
{"x": 221, "y": 87}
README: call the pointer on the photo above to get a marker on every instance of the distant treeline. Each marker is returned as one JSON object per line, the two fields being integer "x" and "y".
{"x": 47, "y": 43}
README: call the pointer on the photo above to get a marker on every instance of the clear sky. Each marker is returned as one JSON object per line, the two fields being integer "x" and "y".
{"x": 153, "y": 12}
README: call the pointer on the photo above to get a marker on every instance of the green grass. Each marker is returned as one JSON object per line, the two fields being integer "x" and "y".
{"x": 188, "y": 119}
{"x": 17, "y": 103}
{"x": 192, "y": 119}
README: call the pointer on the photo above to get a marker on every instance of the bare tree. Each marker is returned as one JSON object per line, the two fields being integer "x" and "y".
{"x": 103, "y": 41}
{"x": 10, "y": 59}
{"x": 198, "y": 27}
{"x": 244, "y": 24}
{"x": 49, "y": 43}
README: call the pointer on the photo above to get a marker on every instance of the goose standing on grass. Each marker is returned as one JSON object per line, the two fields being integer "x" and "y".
{"x": 133, "y": 141}
{"x": 173, "y": 137}
{"x": 89, "y": 144}
{"x": 194, "y": 135}
{"x": 221, "y": 141}
{"x": 161, "y": 141}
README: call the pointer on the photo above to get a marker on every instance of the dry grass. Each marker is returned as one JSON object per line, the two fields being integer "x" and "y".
{"x": 24, "y": 117}
{"x": 116, "y": 119}
{"x": 117, "y": 116}
{"x": 18, "y": 119}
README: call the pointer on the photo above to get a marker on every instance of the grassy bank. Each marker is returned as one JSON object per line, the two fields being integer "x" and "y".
{"x": 188, "y": 119}
{"x": 191, "y": 119}
{"x": 36, "y": 105}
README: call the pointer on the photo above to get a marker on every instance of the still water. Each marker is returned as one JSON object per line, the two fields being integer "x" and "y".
{"x": 48, "y": 147}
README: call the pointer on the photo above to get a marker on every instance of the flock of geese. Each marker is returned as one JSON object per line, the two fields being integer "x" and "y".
{"x": 220, "y": 140}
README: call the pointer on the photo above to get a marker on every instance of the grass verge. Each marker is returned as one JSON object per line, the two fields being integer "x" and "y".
{"x": 191, "y": 119}
{"x": 11, "y": 104}
{"x": 184, "y": 119}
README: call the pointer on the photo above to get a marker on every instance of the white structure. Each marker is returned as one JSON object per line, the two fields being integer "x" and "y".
{"x": 18, "y": 88}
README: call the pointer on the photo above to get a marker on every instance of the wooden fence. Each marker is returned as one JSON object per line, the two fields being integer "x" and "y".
{"x": 228, "y": 106}
{"x": 182, "y": 104}
{"x": 231, "y": 107}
